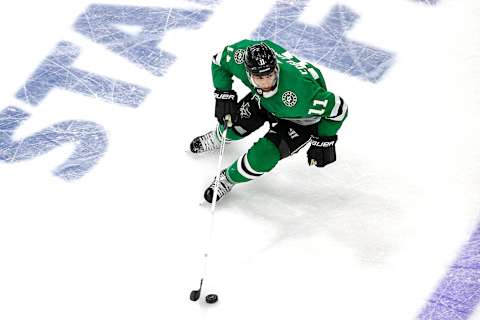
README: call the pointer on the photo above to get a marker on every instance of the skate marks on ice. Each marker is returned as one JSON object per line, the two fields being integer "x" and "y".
{"x": 458, "y": 293}
{"x": 323, "y": 204}
{"x": 325, "y": 44}
{"x": 56, "y": 72}
{"x": 90, "y": 143}
{"x": 100, "y": 24}
{"x": 430, "y": 2}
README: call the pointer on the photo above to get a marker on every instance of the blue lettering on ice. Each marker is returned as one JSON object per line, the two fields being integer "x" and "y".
{"x": 99, "y": 23}
{"x": 458, "y": 293}
{"x": 90, "y": 143}
{"x": 434, "y": 2}
{"x": 56, "y": 72}
{"x": 325, "y": 44}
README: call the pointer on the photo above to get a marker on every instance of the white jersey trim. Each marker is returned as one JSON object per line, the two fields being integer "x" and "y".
{"x": 336, "y": 108}
{"x": 343, "y": 114}
{"x": 217, "y": 58}
{"x": 313, "y": 73}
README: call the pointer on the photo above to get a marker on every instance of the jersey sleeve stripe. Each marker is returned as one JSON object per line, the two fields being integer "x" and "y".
{"x": 342, "y": 112}
{"x": 217, "y": 58}
{"x": 214, "y": 59}
{"x": 337, "y": 108}
{"x": 313, "y": 73}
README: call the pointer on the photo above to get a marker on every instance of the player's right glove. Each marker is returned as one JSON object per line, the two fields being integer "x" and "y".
{"x": 322, "y": 151}
{"x": 226, "y": 104}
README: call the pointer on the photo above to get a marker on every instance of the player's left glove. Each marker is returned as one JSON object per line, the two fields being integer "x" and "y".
{"x": 322, "y": 151}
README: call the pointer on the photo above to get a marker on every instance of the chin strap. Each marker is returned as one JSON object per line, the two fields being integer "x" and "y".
{"x": 260, "y": 91}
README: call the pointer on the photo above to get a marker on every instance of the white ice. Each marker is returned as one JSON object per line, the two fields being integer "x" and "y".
{"x": 368, "y": 237}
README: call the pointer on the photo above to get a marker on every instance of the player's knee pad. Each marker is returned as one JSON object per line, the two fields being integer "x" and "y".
{"x": 263, "y": 156}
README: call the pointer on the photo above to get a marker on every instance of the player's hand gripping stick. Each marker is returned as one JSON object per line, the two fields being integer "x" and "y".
{"x": 226, "y": 104}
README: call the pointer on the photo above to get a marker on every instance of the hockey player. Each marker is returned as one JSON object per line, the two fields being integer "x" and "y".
{"x": 288, "y": 93}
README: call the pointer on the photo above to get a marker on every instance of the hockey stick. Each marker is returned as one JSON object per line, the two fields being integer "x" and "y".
{"x": 195, "y": 294}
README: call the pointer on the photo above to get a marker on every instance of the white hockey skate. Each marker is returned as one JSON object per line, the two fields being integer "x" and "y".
{"x": 224, "y": 187}
{"x": 207, "y": 142}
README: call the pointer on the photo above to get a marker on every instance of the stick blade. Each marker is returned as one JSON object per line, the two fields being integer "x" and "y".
{"x": 195, "y": 295}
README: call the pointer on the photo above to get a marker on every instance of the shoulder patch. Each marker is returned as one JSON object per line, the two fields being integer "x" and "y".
{"x": 239, "y": 56}
{"x": 289, "y": 99}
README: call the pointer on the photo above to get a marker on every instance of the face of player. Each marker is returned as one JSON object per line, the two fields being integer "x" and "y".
{"x": 265, "y": 82}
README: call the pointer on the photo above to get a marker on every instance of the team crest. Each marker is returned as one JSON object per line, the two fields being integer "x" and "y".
{"x": 244, "y": 111}
{"x": 289, "y": 98}
{"x": 239, "y": 56}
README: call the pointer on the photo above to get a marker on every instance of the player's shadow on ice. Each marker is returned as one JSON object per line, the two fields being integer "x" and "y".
{"x": 302, "y": 205}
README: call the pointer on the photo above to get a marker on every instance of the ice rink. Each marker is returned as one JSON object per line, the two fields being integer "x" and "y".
{"x": 102, "y": 214}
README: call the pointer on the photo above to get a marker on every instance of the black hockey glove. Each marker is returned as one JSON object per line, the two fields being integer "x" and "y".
{"x": 226, "y": 103}
{"x": 322, "y": 151}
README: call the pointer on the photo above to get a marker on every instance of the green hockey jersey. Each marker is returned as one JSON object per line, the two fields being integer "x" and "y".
{"x": 301, "y": 95}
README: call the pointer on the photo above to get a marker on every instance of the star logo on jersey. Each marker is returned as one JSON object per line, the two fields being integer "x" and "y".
{"x": 289, "y": 99}
{"x": 244, "y": 111}
{"x": 239, "y": 56}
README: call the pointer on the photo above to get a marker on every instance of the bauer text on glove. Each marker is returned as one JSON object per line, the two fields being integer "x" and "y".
{"x": 322, "y": 151}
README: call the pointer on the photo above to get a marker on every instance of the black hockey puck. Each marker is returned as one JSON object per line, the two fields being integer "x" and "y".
{"x": 194, "y": 295}
{"x": 211, "y": 298}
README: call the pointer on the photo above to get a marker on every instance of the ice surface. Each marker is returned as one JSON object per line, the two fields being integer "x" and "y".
{"x": 56, "y": 72}
{"x": 98, "y": 21}
{"x": 90, "y": 140}
{"x": 459, "y": 292}
{"x": 390, "y": 231}
{"x": 325, "y": 44}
